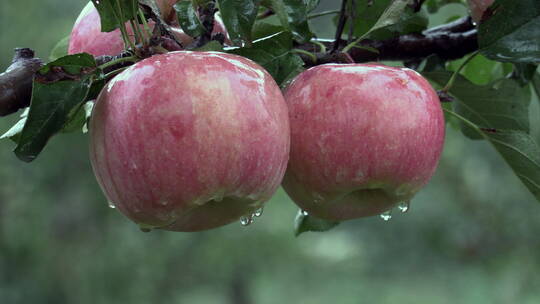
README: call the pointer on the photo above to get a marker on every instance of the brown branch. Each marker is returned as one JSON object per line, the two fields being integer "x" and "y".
{"x": 16, "y": 81}
{"x": 449, "y": 41}
{"x": 411, "y": 47}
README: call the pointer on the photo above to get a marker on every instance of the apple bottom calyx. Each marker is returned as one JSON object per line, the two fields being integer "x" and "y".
{"x": 371, "y": 199}
{"x": 210, "y": 214}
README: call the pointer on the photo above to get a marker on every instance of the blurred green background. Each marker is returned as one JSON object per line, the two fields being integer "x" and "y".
{"x": 471, "y": 235}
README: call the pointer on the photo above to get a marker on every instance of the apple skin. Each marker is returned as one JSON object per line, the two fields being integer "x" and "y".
{"x": 188, "y": 141}
{"x": 86, "y": 35}
{"x": 478, "y": 7}
{"x": 364, "y": 137}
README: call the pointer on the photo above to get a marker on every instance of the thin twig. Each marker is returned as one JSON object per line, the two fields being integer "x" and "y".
{"x": 340, "y": 25}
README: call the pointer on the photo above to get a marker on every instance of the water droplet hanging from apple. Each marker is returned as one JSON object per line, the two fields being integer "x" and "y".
{"x": 145, "y": 230}
{"x": 111, "y": 205}
{"x": 246, "y": 220}
{"x": 386, "y": 216}
{"x": 404, "y": 206}
{"x": 258, "y": 212}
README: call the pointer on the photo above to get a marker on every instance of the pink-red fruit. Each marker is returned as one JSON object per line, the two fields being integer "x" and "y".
{"x": 189, "y": 141}
{"x": 478, "y": 7}
{"x": 86, "y": 35}
{"x": 364, "y": 138}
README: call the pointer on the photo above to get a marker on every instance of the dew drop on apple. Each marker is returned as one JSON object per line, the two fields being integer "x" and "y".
{"x": 317, "y": 198}
{"x": 258, "y": 212}
{"x": 111, "y": 205}
{"x": 304, "y": 212}
{"x": 404, "y": 206}
{"x": 386, "y": 216}
{"x": 246, "y": 220}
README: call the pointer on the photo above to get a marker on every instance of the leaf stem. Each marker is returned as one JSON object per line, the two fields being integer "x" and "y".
{"x": 324, "y": 13}
{"x": 114, "y": 72}
{"x": 123, "y": 28}
{"x": 146, "y": 28}
{"x": 117, "y": 61}
{"x": 320, "y": 45}
{"x": 309, "y": 54}
{"x": 450, "y": 82}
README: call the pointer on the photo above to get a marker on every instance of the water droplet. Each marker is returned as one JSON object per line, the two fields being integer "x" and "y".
{"x": 111, "y": 205}
{"x": 304, "y": 212}
{"x": 246, "y": 220}
{"x": 164, "y": 203}
{"x": 404, "y": 206}
{"x": 85, "y": 128}
{"x": 317, "y": 198}
{"x": 386, "y": 216}
{"x": 258, "y": 212}
{"x": 145, "y": 229}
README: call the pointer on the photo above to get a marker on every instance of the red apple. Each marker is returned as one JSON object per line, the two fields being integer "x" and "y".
{"x": 478, "y": 7}
{"x": 188, "y": 141}
{"x": 364, "y": 137}
{"x": 87, "y": 36}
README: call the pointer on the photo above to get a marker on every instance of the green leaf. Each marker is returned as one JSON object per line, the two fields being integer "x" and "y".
{"x": 113, "y": 13}
{"x": 188, "y": 19}
{"x": 501, "y": 105}
{"x": 15, "y": 131}
{"x": 434, "y": 5}
{"x": 293, "y": 16}
{"x": 54, "y": 102}
{"x": 304, "y": 223}
{"x": 536, "y": 84}
{"x": 398, "y": 18}
{"x": 264, "y": 29}
{"x": 274, "y": 54}
{"x": 212, "y": 46}
{"x": 311, "y": 4}
{"x": 367, "y": 14}
{"x": 524, "y": 72}
{"x": 60, "y": 49}
{"x": 239, "y": 17}
{"x": 518, "y": 149}
{"x": 511, "y": 32}
{"x": 78, "y": 119}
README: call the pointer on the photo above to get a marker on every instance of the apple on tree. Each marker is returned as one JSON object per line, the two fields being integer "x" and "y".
{"x": 364, "y": 137}
{"x": 86, "y": 35}
{"x": 478, "y": 7}
{"x": 187, "y": 141}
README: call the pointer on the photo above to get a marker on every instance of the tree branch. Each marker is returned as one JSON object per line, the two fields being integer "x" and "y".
{"x": 450, "y": 41}
{"x": 448, "y": 45}
{"x": 16, "y": 81}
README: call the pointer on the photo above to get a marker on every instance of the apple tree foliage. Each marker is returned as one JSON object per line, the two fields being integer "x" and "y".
{"x": 277, "y": 35}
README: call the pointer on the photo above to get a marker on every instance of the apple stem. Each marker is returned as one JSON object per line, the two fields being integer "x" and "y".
{"x": 146, "y": 28}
